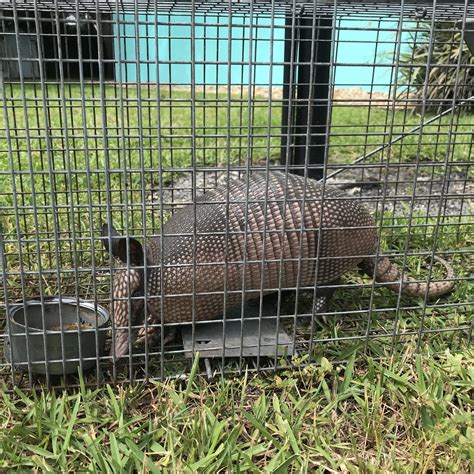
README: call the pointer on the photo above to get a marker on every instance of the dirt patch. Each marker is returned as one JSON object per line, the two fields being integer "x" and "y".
{"x": 363, "y": 98}
{"x": 340, "y": 96}
{"x": 404, "y": 189}
{"x": 399, "y": 189}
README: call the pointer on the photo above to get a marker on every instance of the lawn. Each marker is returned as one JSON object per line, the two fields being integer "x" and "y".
{"x": 368, "y": 404}
{"x": 409, "y": 414}
{"x": 62, "y": 173}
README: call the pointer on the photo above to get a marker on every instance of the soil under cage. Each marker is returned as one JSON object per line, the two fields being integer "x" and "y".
{"x": 126, "y": 113}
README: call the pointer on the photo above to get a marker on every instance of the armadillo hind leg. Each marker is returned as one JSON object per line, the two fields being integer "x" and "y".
{"x": 320, "y": 304}
{"x": 307, "y": 303}
{"x": 317, "y": 304}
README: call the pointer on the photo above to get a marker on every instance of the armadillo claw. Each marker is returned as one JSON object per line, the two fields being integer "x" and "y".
{"x": 145, "y": 331}
{"x": 169, "y": 335}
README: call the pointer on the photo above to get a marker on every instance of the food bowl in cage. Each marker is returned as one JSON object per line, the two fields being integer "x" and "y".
{"x": 74, "y": 331}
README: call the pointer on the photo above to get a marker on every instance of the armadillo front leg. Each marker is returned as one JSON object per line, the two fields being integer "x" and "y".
{"x": 151, "y": 332}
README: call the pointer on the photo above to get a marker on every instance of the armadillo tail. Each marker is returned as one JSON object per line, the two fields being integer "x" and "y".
{"x": 388, "y": 272}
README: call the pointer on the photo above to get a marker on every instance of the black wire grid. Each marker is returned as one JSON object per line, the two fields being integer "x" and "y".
{"x": 122, "y": 112}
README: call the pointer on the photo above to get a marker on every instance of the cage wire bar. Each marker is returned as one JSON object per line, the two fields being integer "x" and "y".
{"x": 123, "y": 112}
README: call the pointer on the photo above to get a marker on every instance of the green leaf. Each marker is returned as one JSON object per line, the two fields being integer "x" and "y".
{"x": 348, "y": 373}
{"x": 259, "y": 426}
{"x": 283, "y": 467}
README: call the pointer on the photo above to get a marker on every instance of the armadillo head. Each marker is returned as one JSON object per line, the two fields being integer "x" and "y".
{"x": 127, "y": 289}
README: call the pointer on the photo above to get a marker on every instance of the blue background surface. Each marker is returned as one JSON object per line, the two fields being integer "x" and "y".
{"x": 164, "y": 53}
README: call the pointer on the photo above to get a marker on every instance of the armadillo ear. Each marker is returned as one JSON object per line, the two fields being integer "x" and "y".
{"x": 110, "y": 234}
{"x": 119, "y": 246}
{"x": 135, "y": 251}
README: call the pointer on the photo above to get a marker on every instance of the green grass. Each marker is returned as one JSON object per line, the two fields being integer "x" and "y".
{"x": 65, "y": 177}
{"x": 410, "y": 414}
{"x": 66, "y": 191}
{"x": 382, "y": 409}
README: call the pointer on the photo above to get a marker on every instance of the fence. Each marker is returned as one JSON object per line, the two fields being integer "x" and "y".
{"x": 124, "y": 113}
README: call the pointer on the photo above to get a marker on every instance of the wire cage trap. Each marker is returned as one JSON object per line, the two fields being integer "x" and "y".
{"x": 123, "y": 113}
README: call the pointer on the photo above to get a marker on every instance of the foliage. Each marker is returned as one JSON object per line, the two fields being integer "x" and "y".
{"x": 438, "y": 55}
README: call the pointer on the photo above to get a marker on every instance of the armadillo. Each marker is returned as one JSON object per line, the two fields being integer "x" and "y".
{"x": 259, "y": 235}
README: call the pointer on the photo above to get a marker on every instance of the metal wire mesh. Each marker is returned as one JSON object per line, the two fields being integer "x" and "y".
{"x": 124, "y": 112}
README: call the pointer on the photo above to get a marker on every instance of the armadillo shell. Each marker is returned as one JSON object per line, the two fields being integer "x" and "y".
{"x": 256, "y": 235}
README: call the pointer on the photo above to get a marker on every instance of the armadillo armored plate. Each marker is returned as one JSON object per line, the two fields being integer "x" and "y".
{"x": 258, "y": 336}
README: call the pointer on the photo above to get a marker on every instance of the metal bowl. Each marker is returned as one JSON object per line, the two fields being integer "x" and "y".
{"x": 60, "y": 344}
